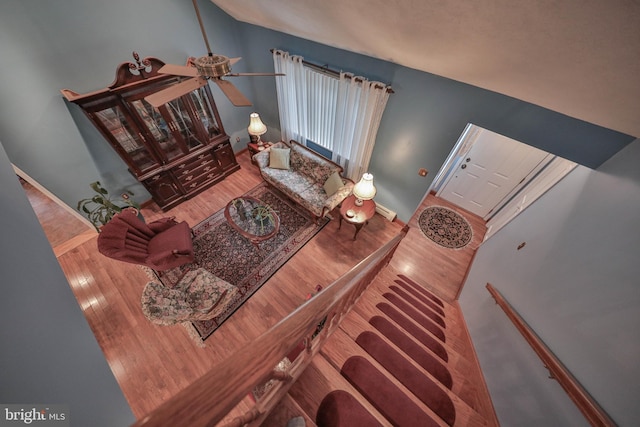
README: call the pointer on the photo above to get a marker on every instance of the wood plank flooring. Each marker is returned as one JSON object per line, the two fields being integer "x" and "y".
{"x": 152, "y": 363}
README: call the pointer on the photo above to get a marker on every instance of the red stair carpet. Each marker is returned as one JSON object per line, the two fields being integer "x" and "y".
{"x": 341, "y": 409}
{"x": 413, "y": 350}
{"x": 413, "y": 330}
{"x": 419, "y": 384}
{"x": 384, "y": 395}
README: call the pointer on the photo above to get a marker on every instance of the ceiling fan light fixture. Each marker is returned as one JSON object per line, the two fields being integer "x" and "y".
{"x": 213, "y": 65}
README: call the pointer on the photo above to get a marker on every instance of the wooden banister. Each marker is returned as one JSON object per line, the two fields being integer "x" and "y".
{"x": 592, "y": 411}
{"x": 209, "y": 399}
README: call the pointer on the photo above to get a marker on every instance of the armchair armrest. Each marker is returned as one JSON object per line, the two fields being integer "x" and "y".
{"x": 162, "y": 224}
{"x": 262, "y": 158}
{"x": 336, "y": 198}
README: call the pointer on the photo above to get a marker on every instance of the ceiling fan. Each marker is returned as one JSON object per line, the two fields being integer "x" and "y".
{"x": 211, "y": 67}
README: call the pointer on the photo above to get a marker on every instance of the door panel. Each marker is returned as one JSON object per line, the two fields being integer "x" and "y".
{"x": 489, "y": 171}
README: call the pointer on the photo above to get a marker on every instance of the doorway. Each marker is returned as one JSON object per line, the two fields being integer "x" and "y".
{"x": 496, "y": 177}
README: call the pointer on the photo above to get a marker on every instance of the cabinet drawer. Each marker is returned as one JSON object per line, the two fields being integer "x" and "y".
{"x": 197, "y": 182}
{"x": 188, "y": 166}
{"x": 206, "y": 168}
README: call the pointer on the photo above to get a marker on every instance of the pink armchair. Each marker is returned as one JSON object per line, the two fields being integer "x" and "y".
{"x": 160, "y": 245}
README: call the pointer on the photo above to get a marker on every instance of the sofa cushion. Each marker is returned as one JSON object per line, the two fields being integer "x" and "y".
{"x": 279, "y": 158}
{"x": 311, "y": 164}
{"x": 333, "y": 184}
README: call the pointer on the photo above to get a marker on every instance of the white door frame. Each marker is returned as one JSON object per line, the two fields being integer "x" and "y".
{"x": 554, "y": 171}
{"x": 547, "y": 174}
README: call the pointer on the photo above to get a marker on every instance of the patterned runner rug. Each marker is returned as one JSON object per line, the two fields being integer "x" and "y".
{"x": 445, "y": 227}
{"x": 225, "y": 253}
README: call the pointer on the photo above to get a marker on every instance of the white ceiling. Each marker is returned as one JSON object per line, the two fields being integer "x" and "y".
{"x": 577, "y": 57}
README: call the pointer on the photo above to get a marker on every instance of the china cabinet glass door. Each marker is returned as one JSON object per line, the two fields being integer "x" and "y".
{"x": 203, "y": 110}
{"x": 128, "y": 138}
{"x": 186, "y": 124}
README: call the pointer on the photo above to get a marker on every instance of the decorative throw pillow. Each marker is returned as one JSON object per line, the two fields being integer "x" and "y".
{"x": 333, "y": 184}
{"x": 279, "y": 158}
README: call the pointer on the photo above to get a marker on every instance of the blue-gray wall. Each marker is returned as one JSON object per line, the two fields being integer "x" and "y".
{"x": 48, "y": 354}
{"x": 576, "y": 283}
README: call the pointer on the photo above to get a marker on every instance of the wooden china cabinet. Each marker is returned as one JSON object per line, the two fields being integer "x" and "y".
{"x": 176, "y": 150}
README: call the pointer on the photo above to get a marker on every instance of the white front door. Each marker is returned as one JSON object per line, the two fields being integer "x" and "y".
{"x": 493, "y": 167}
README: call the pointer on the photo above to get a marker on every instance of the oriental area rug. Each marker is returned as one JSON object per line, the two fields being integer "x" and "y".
{"x": 224, "y": 252}
{"x": 445, "y": 227}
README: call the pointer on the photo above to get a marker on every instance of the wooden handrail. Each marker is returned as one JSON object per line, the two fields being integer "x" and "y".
{"x": 208, "y": 400}
{"x": 592, "y": 411}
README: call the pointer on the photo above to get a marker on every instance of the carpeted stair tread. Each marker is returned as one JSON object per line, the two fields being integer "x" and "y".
{"x": 423, "y": 320}
{"x": 414, "y": 330}
{"x": 456, "y": 381}
{"x": 367, "y": 307}
{"x": 459, "y": 368}
{"x": 427, "y": 311}
{"x": 384, "y": 395}
{"x": 413, "y": 350}
{"x": 419, "y": 296}
{"x": 419, "y": 384}
{"x": 422, "y": 290}
{"x": 340, "y": 409}
{"x": 321, "y": 378}
{"x": 341, "y": 346}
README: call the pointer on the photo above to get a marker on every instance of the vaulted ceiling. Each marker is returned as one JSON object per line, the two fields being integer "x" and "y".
{"x": 577, "y": 57}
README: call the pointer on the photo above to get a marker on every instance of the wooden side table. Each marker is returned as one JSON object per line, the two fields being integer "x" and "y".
{"x": 255, "y": 148}
{"x": 356, "y": 215}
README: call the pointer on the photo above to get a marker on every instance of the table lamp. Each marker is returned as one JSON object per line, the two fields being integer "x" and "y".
{"x": 256, "y": 128}
{"x": 364, "y": 189}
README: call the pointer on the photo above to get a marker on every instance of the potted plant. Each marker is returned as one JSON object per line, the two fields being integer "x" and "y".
{"x": 100, "y": 208}
{"x": 263, "y": 215}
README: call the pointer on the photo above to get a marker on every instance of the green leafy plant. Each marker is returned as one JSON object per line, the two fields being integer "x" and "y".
{"x": 263, "y": 215}
{"x": 101, "y": 208}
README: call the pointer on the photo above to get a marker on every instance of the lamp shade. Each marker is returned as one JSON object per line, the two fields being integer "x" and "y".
{"x": 256, "y": 127}
{"x": 364, "y": 189}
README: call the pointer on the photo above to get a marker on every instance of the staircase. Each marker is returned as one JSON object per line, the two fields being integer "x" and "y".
{"x": 402, "y": 356}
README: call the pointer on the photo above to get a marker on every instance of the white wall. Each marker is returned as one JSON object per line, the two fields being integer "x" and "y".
{"x": 576, "y": 284}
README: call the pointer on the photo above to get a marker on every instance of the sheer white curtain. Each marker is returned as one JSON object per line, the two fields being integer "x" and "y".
{"x": 359, "y": 111}
{"x": 340, "y": 114}
{"x": 291, "y": 90}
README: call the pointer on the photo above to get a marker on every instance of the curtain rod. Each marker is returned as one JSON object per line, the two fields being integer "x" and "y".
{"x": 334, "y": 73}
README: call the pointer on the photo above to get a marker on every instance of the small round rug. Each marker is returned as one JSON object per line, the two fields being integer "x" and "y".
{"x": 445, "y": 227}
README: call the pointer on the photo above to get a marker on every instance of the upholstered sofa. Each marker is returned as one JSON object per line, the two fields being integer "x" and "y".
{"x": 309, "y": 179}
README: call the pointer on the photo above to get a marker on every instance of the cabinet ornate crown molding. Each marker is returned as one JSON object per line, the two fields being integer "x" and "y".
{"x": 176, "y": 150}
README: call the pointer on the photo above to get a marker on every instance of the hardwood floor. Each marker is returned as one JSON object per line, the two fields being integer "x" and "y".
{"x": 442, "y": 270}
{"x": 152, "y": 363}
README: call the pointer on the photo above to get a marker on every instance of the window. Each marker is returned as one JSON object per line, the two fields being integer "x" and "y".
{"x": 341, "y": 114}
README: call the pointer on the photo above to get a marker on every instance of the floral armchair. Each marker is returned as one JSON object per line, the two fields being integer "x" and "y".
{"x": 199, "y": 295}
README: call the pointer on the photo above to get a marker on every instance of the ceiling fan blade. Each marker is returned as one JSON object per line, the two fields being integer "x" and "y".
{"x": 178, "y": 70}
{"x": 234, "y": 60}
{"x": 235, "y": 96}
{"x": 253, "y": 74}
{"x": 169, "y": 94}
